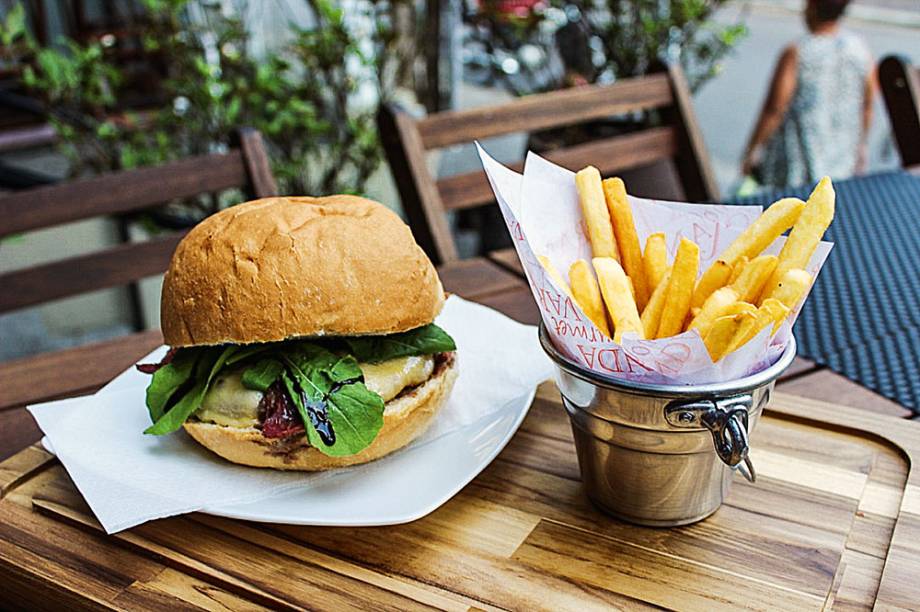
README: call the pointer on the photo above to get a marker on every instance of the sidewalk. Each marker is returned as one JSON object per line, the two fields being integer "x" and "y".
{"x": 901, "y": 13}
{"x": 911, "y": 6}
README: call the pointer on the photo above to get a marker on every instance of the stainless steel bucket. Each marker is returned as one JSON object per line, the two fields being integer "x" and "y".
{"x": 661, "y": 455}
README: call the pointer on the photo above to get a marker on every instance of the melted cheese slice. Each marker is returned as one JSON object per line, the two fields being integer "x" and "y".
{"x": 389, "y": 378}
{"x": 231, "y": 404}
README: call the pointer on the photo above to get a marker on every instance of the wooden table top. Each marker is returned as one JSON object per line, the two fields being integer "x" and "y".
{"x": 833, "y": 521}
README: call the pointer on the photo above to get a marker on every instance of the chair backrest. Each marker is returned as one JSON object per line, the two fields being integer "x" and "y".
{"x": 426, "y": 200}
{"x": 245, "y": 166}
{"x": 900, "y": 84}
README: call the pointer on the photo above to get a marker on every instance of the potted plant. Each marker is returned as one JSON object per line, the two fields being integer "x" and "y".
{"x": 313, "y": 97}
{"x": 635, "y": 35}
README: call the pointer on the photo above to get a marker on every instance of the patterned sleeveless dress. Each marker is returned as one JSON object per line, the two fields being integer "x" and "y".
{"x": 820, "y": 132}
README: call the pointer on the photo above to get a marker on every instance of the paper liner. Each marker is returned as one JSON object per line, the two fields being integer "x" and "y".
{"x": 543, "y": 215}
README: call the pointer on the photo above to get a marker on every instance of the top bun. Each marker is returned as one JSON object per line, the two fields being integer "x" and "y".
{"x": 279, "y": 268}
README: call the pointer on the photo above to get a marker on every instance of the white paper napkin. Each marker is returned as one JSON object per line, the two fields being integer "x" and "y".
{"x": 128, "y": 478}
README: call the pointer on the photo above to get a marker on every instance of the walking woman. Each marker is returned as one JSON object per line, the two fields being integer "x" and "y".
{"x": 816, "y": 117}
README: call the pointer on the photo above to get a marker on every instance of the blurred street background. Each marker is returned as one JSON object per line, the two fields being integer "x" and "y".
{"x": 215, "y": 65}
{"x": 728, "y": 105}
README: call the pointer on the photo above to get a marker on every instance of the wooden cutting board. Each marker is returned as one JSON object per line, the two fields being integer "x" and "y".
{"x": 832, "y": 523}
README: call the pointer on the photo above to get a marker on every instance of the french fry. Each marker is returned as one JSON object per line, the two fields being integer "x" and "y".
{"x": 714, "y": 307}
{"x": 651, "y": 316}
{"x": 715, "y": 280}
{"x": 738, "y": 268}
{"x": 771, "y": 312}
{"x": 680, "y": 289}
{"x": 553, "y": 273}
{"x": 748, "y": 328}
{"x": 741, "y": 308}
{"x": 624, "y": 230}
{"x": 752, "y": 279}
{"x": 655, "y": 260}
{"x": 587, "y": 294}
{"x": 594, "y": 209}
{"x": 791, "y": 288}
{"x": 720, "y": 334}
{"x": 805, "y": 234}
{"x": 619, "y": 299}
{"x": 777, "y": 311}
{"x": 780, "y": 216}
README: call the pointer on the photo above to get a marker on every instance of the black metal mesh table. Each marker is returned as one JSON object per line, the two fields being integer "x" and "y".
{"x": 863, "y": 317}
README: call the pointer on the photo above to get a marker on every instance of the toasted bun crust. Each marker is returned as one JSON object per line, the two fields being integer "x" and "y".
{"x": 404, "y": 419}
{"x": 279, "y": 268}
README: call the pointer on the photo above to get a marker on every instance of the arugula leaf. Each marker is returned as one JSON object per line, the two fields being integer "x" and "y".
{"x": 346, "y": 369}
{"x": 247, "y": 351}
{"x": 423, "y": 340}
{"x": 262, "y": 375}
{"x": 167, "y": 380}
{"x": 356, "y": 413}
{"x": 210, "y": 361}
{"x": 341, "y": 415}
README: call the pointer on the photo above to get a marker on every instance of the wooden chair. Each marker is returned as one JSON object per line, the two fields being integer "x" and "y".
{"x": 900, "y": 84}
{"x": 245, "y": 166}
{"x": 426, "y": 200}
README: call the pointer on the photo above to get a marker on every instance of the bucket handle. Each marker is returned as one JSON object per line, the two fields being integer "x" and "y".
{"x": 727, "y": 421}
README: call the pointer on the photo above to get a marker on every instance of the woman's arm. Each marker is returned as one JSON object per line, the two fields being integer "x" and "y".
{"x": 868, "y": 100}
{"x": 782, "y": 89}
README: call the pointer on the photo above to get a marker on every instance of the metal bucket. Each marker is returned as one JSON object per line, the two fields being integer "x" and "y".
{"x": 661, "y": 455}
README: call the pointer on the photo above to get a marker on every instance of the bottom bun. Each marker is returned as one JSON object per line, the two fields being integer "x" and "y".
{"x": 405, "y": 418}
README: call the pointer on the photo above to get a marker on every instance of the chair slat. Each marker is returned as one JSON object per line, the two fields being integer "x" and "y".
{"x": 544, "y": 111}
{"x": 900, "y": 85}
{"x": 72, "y": 371}
{"x": 258, "y": 166}
{"x": 426, "y": 200}
{"x": 27, "y": 137}
{"x": 697, "y": 178}
{"x": 406, "y": 154}
{"x": 120, "y": 193}
{"x": 99, "y": 270}
{"x": 610, "y": 155}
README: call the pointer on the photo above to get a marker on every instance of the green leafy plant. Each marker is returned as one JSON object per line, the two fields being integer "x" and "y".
{"x": 635, "y": 35}
{"x": 322, "y": 379}
{"x": 314, "y": 97}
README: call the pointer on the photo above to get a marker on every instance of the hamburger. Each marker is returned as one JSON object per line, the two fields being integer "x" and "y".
{"x": 301, "y": 335}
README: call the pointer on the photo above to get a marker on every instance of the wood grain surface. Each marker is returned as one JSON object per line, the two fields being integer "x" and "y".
{"x": 669, "y": 133}
{"x": 405, "y": 151}
{"x": 118, "y": 265}
{"x": 121, "y": 193}
{"x": 610, "y": 156}
{"x": 832, "y": 523}
{"x": 537, "y": 112}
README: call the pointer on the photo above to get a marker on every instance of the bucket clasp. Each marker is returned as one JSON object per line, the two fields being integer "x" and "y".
{"x": 727, "y": 421}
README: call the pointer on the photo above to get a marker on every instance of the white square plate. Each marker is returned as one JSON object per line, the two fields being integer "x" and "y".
{"x": 400, "y": 488}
